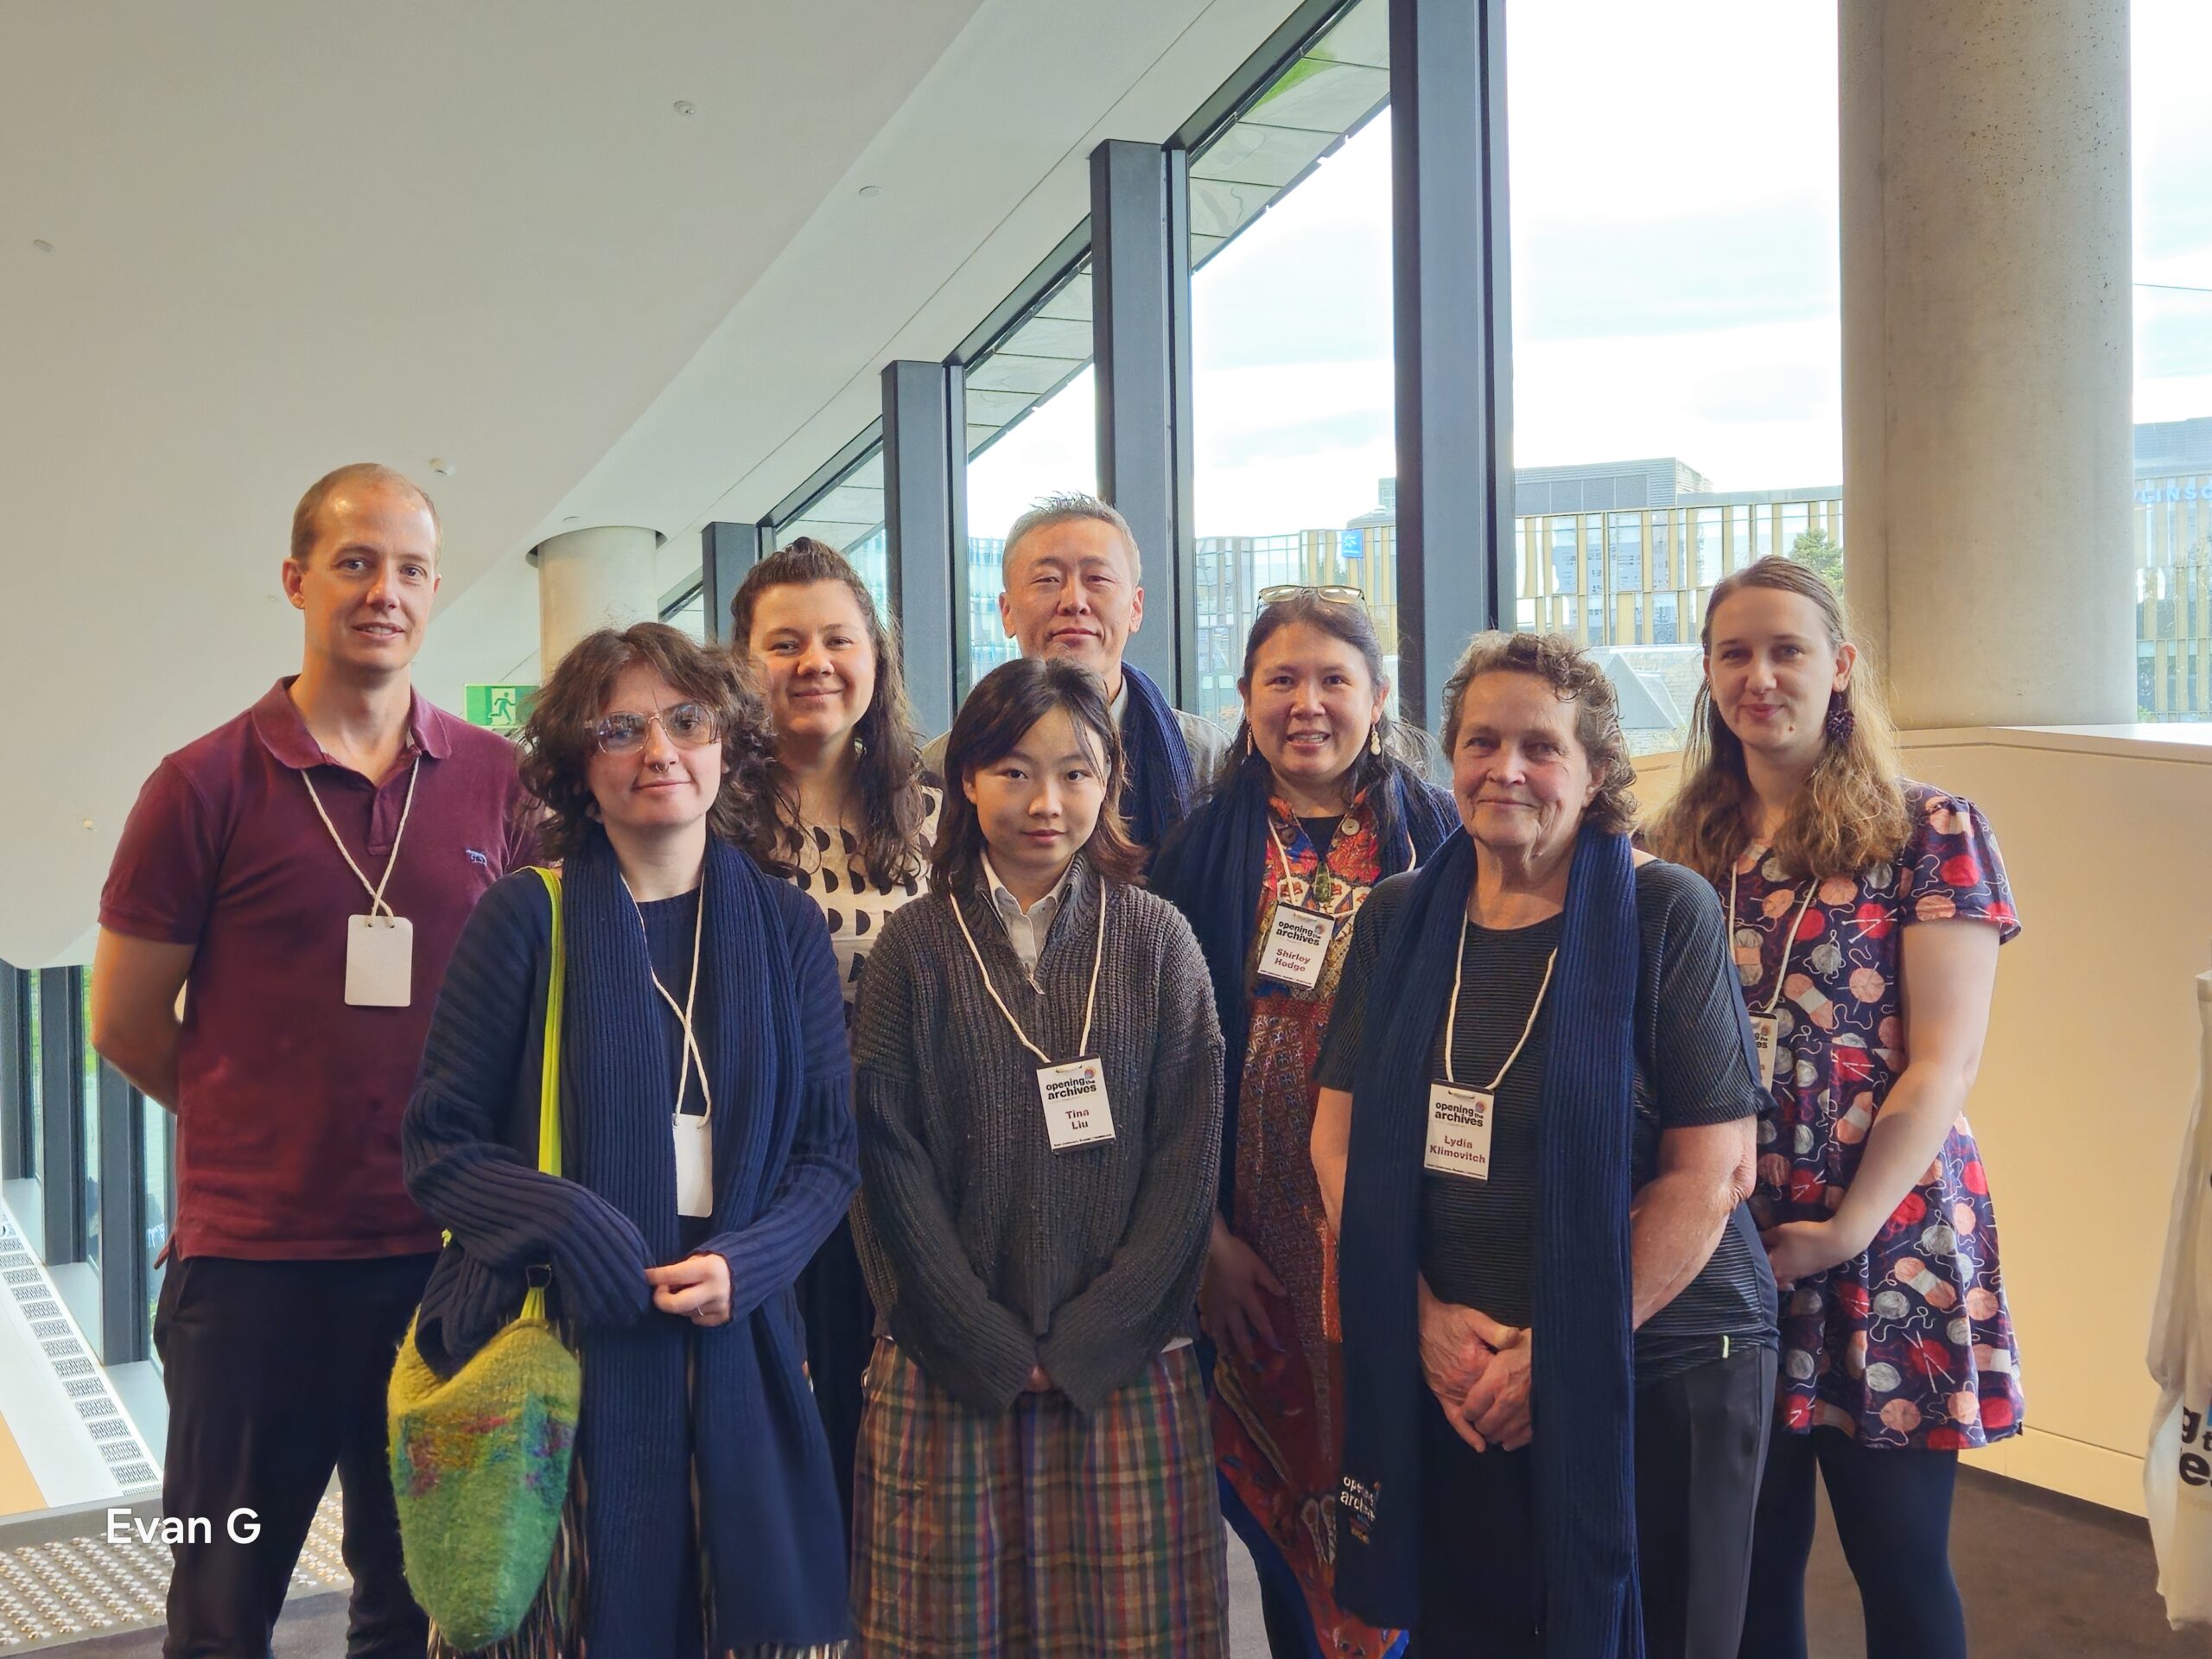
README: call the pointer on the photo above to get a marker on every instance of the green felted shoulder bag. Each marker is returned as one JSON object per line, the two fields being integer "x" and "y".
{"x": 481, "y": 1460}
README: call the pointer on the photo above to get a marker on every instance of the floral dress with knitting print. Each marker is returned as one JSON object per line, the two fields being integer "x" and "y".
{"x": 1909, "y": 1344}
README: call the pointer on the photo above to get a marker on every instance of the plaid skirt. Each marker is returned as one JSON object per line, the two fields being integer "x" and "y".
{"x": 1036, "y": 1531}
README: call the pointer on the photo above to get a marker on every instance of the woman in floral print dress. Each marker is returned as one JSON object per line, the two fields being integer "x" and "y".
{"x": 1845, "y": 883}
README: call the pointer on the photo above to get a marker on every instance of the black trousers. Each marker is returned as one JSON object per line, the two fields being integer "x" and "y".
{"x": 1481, "y": 1589}
{"x": 833, "y": 1301}
{"x": 1700, "y": 1437}
{"x": 276, "y": 1373}
{"x": 1893, "y": 1517}
{"x": 1700, "y": 1446}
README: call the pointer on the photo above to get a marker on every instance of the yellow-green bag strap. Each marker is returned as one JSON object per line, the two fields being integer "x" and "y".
{"x": 549, "y": 1082}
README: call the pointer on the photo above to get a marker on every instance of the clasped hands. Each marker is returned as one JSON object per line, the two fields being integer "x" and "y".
{"x": 696, "y": 1288}
{"x": 1478, "y": 1370}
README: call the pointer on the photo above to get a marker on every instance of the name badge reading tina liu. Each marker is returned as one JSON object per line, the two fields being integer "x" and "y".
{"x": 1766, "y": 1034}
{"x": 379, "y": 962}
{"x": 1076, "y": 1111}
{"x": 1297, "y": 947}
{"x": 1459, "y": 1123}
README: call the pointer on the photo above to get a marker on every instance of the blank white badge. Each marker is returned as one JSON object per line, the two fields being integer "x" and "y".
{"x": 1766, "y": 1033}
{"x": 379, "y": 962}
{"x": 1297, "y": 947}
{"x": 695, "y": 1166}
{"x": 1459, "y": 1130}
{"x": 1075, "y": 1112}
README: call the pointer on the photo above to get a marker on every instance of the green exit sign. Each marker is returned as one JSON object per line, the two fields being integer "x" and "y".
{"x": 500, "y": 708}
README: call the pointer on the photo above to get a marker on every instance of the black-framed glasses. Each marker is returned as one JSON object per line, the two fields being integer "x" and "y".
{"x": 688, "y": 726}
{"x": 1335, "y": 592}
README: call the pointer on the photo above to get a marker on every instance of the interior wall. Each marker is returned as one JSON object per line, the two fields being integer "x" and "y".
{"x": 2091, "y": 1065}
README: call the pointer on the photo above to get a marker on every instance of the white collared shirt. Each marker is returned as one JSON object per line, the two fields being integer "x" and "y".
{"x": 1025, "y": 933}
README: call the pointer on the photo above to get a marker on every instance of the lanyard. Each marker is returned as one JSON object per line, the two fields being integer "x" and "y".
{"x": 1089, "y": 1007}
{"x": 375, "y": 892}
{"x": 691, "y": 995}
{"x": 1293, "y": 889}
{"x": 1790, "y": 939}
{"x": 1451, "y": 1013}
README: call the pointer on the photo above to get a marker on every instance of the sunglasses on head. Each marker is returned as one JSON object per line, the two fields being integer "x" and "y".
{"x": 1334, "y": 593}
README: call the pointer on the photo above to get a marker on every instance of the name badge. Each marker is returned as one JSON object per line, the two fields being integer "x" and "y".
{"x": 1075, "y": 1112}
{"x": 695, "y": 1166}
{"x": 1766, "y": 1033}
{"x": 1459, "y": 1130}
{"x": 1297, "y": 948}
{"x": 379, "y": 962}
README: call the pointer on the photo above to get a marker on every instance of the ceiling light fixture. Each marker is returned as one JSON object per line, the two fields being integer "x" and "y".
{"x": 685, "y": 107}
{"x": 42, "y": 244}
{"x": 442, "y": 466}
{"x": 870, "y": 192}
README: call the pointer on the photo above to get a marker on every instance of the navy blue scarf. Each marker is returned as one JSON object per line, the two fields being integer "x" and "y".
{"x": 1584, "y": 1382}
{"x": 1162, "y": 781}
{"x": 1212, "y": 869}
{"x": 771, "y": 1539}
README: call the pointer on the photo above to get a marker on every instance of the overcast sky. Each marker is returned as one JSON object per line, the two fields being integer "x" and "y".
{"x": 1675, "y": 284}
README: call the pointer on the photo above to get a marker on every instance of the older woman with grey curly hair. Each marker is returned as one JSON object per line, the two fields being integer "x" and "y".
{"x": 1534, "y": 1136}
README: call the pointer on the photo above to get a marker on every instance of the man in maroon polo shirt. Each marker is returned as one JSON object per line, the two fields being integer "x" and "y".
{"x": 306, "y": 868}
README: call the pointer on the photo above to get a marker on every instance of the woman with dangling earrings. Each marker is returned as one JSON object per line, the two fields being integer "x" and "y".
{"x": 1846, "y": 883}
{"x": 1322, "y": 798}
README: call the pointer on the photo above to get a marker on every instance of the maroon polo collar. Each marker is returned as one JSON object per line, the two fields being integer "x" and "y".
{"x": 283, "y": 730}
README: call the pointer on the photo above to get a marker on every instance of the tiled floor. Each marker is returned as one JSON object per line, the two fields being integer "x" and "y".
{"x": 52, "y": 1592}
{"x": 64, "y": 1438}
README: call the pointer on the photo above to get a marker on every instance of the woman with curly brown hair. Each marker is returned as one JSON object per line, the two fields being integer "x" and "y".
{"x": 848, "y": 821}
{"x": 708, "y": 1150}
{"x": 1534, "y": 1135}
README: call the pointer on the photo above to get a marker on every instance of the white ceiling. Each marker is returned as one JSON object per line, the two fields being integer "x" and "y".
{"x": 285, "y": 237}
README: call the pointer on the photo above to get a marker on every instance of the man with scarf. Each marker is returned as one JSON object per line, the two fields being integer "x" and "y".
{"x": 1073, "y": 584}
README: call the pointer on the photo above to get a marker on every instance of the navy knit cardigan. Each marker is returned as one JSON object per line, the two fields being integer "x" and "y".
{"x": 770, "y": 1528}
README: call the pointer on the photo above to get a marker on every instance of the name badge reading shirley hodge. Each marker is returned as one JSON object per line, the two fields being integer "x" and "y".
{"x": 379, "y": 962}
{"x": 1459, "y": 1130}
{"x": 1075, "y": 1112}
{"x": 1297, "y": 947}
{"x": 1766, "y": 1034}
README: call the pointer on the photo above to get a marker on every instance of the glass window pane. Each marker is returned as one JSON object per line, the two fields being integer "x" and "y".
{"x": 33, "y": 1075}
{"x": 1705, "y": 372}
{"x": 89, "y": 1146}
{"x": 848, "y": 515}
{"x": 688, "y": 613}
{"x": 1033, "y": 430}
{"x": 159, "y": 1134}
{"x": 1295, "y": 434}
{"x": 2172, "y": 135}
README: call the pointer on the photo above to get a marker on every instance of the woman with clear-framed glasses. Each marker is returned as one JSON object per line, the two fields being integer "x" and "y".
{"x": 707, "y": 1150}
{"x": 1323, "y": 797}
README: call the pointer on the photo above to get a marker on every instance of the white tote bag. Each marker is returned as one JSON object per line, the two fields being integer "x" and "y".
{"x": 2177, "y": 1472}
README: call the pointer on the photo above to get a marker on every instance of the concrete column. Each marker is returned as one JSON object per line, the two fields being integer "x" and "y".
{"x": 591, "y": 579}
{"x": 1987, "y": 450}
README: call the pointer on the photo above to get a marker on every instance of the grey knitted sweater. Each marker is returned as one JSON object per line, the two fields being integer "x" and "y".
{"x": 999, "y": 1254}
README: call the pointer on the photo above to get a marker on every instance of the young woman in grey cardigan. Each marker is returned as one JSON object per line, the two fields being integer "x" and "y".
{"x": 1038, "y": 1069}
